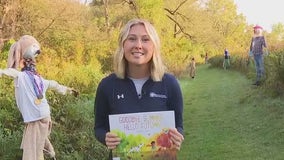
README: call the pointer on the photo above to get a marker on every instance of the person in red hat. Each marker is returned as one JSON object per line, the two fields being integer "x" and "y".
{"x": 257, "y": 46}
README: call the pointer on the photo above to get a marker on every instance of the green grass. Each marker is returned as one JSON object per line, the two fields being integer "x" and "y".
{"x": 226, "y": 118}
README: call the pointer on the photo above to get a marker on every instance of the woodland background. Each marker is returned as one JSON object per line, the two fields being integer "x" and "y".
{"x": 78, "y": 40}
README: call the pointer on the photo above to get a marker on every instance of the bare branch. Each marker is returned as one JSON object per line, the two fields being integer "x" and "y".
{"x": 174, "y": 12}
{"x": 52, "y": 21}
{"x": 180, "y": 27}
{"x": 134, "y": 5}
{"x": 179, "y": 6}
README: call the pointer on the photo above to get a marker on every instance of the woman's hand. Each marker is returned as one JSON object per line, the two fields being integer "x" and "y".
{"x": 176, "y": 138}
{"x": 112, "y": 140}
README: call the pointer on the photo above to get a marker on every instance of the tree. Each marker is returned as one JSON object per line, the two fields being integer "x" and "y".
{"x": 276, "y": 37}
{"x": 9, "y": 13}
{"x": 227, "y": 26}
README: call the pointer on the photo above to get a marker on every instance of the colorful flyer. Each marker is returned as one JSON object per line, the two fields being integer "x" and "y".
{"x": 144, "y": 136}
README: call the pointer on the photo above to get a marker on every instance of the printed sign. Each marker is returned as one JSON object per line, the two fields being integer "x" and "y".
{"x": 143, "y": 135}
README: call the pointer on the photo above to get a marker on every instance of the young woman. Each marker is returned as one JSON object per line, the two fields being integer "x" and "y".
{"x": 139, "y": 73}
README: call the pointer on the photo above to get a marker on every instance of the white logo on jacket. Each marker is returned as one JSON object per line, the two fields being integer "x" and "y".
{"x": 120, "y": 96}
{"x": 152, "y": 94}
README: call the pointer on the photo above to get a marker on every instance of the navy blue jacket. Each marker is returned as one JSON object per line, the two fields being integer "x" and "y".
{"x": 119, "y": 96}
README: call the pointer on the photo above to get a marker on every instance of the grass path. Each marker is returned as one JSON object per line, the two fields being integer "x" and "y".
{"x": 226, "y": 118}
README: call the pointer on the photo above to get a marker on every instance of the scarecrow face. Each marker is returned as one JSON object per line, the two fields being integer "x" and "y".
{"x": 257, "y": 29}
{"x": 29, "y": 55}
{"x": 31, "y": 52}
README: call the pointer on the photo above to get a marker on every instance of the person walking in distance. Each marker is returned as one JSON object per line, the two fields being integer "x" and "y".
{"x": 206, "y": 58}
{"x": 226, "y": 62}
{"x": 192, "y": 68}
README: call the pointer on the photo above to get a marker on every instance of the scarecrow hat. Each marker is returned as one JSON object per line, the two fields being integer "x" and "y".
{"x": 19, "y": 48}
{"x": 257, "y": 27}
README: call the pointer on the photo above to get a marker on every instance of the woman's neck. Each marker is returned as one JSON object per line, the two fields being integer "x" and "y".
{"x": 138, "y": 71}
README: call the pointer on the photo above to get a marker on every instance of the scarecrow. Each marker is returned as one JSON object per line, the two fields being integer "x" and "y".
{"x": 30, "y": 89}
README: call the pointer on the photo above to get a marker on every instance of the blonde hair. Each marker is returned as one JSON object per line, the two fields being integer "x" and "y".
{"x": 157, "y": 68}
